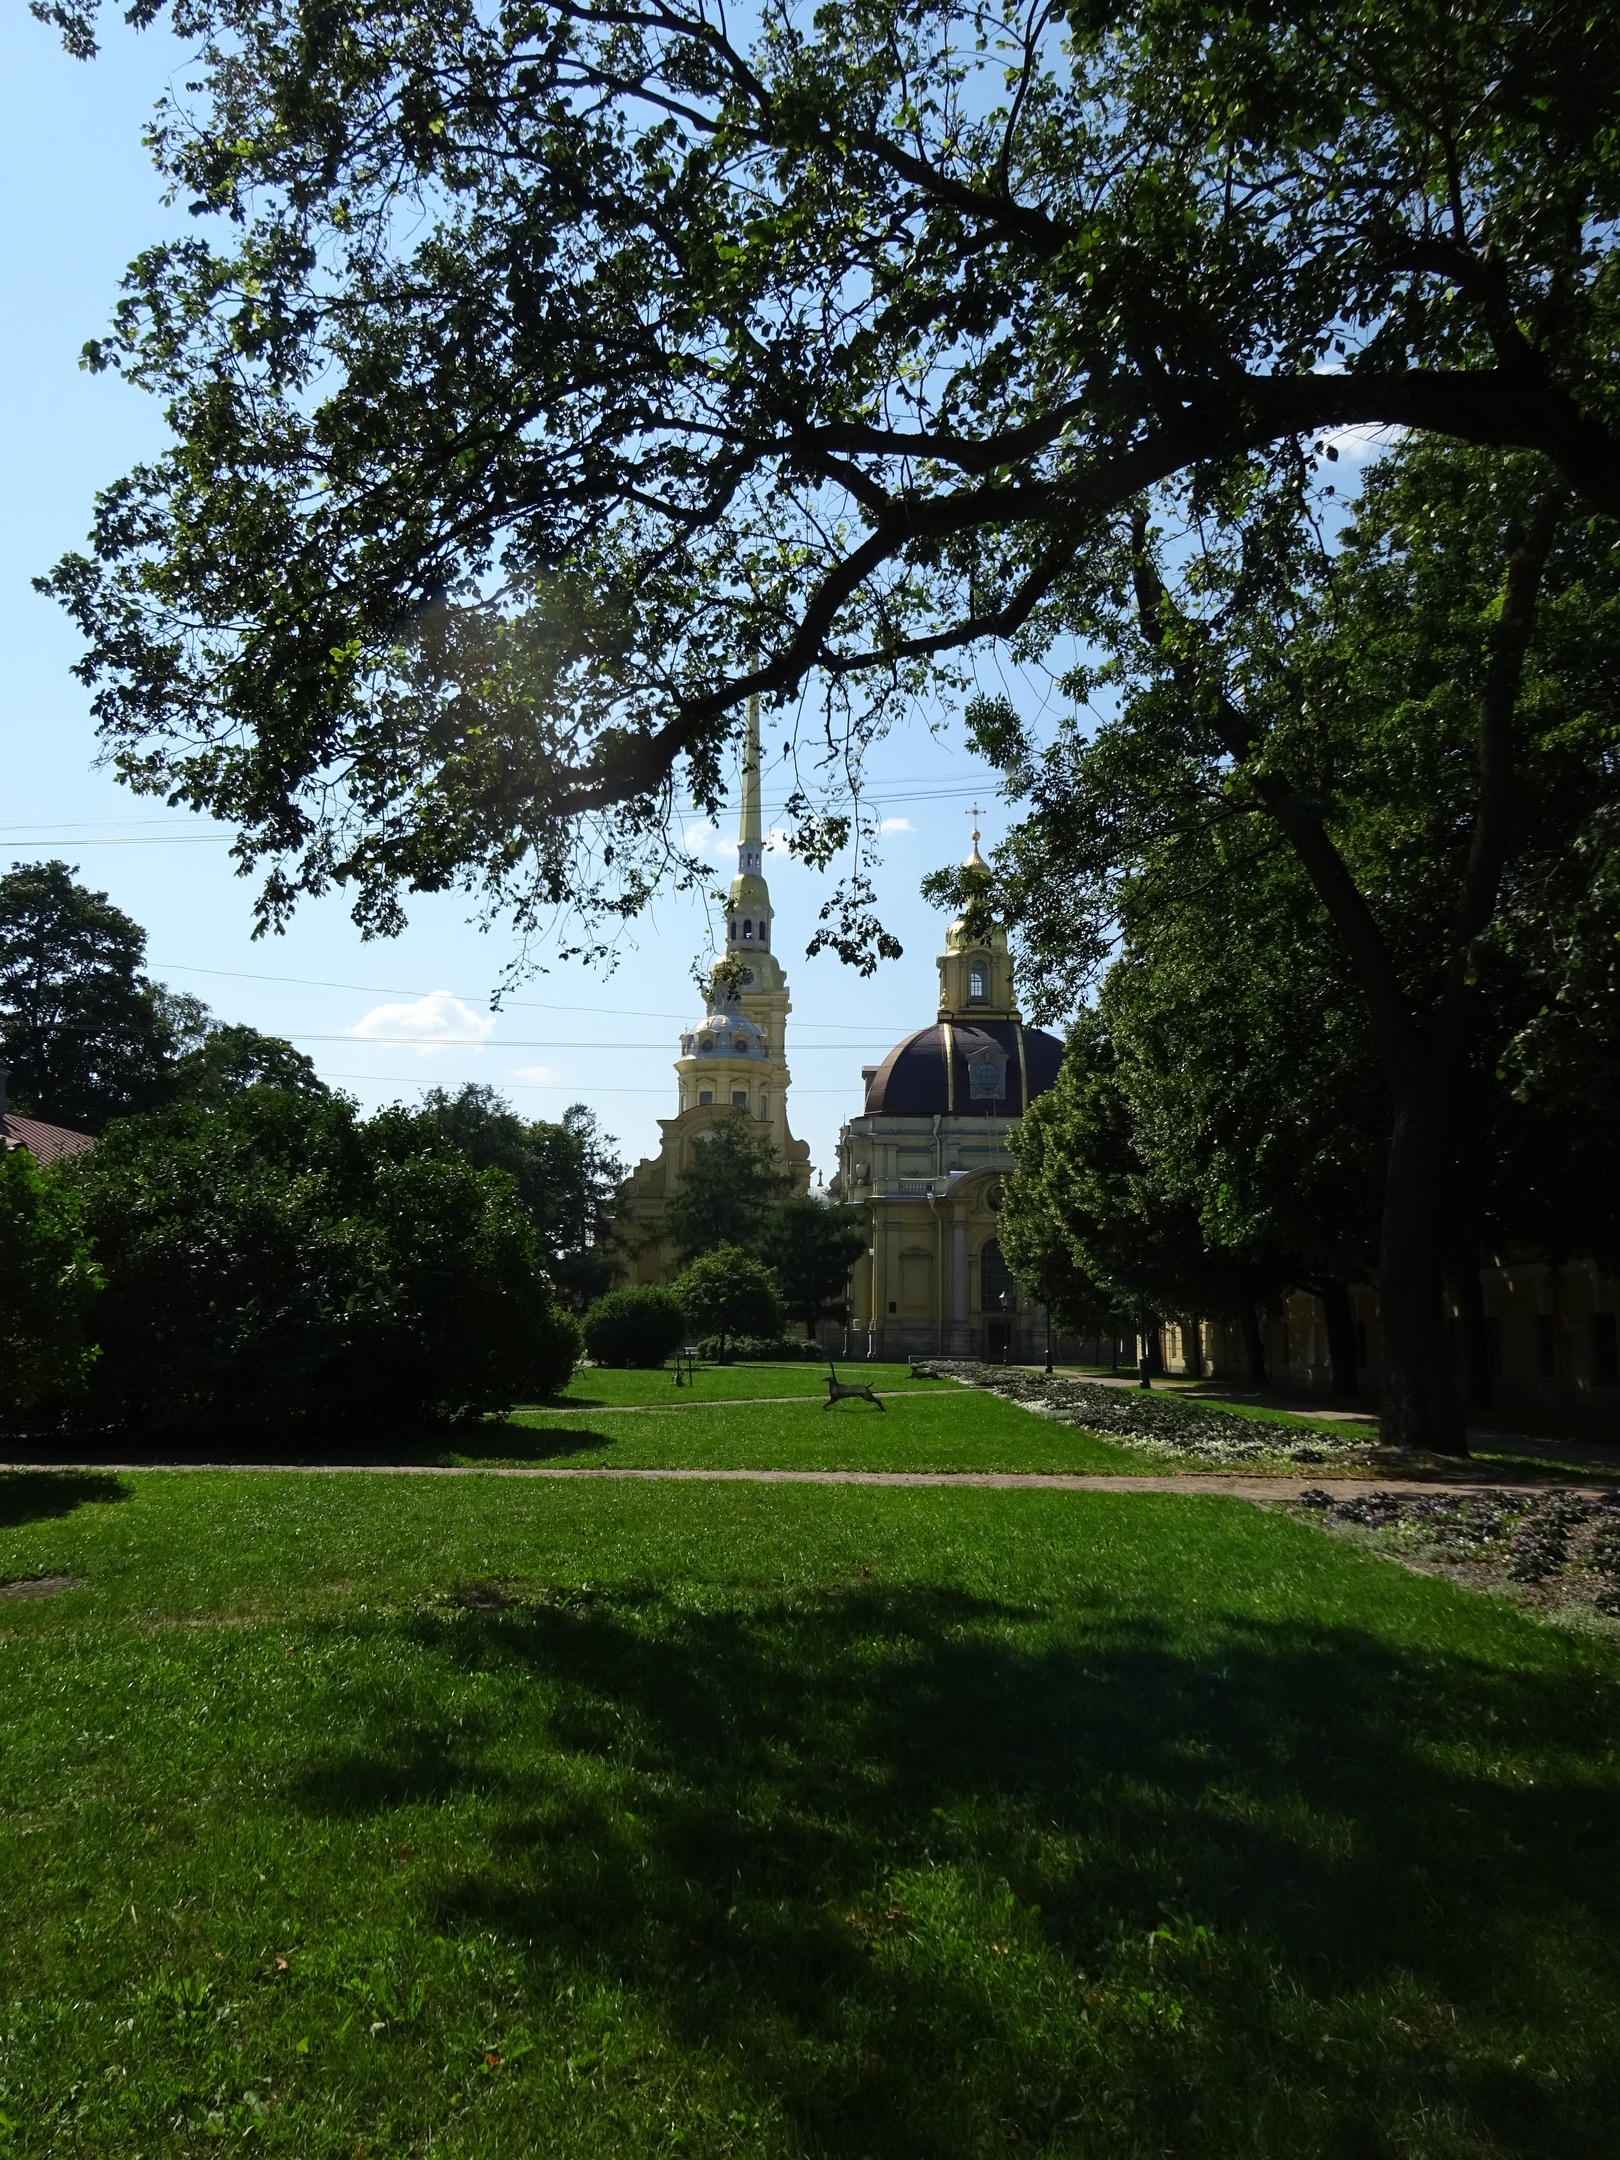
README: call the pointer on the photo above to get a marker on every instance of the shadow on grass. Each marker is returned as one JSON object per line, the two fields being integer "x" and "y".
{"x": 940, "y": 1878}
{"x": 36, "y": 1495}
{"x": 509, "y": 1441}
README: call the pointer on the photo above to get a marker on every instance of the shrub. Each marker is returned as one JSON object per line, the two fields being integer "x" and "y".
{"x": 50, "y": 1283}
{"x": 637, "y": 1326}
{"x": 726, "y": 1293}
{"x": 271, "y": 1260}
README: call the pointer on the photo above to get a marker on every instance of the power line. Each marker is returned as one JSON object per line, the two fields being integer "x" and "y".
{"x": 310, "y": 982}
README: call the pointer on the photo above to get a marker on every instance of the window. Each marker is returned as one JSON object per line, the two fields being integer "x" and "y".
{"x": 894, "y": 1305}
{"x": 706, "y": 1095}
{"x": 1547, "y": 1343}
{"x": 978, "y": 983}
{"x": 1605, "y": 1367}
{"x": 748, "y": 929}
{"x": 764, "y": 933}
{"x": 732, "y": 931}
{"x": 987, "y": 1075}
{"x": 995, "y": 1282}
{"x": 739, "y": 1098}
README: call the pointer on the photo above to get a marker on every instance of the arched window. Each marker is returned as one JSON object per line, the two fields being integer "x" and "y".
{"x": 978, "y": 983}
{"x": 764, "y": 933}
{"x": 748, "y": 929}
{"x": 732, "y": 932}
{"x": 995, "y": 1283}
{"x": 739, "y": 1098}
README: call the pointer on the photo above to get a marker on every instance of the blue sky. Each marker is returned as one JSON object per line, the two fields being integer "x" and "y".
{"x": 83, "y": 199}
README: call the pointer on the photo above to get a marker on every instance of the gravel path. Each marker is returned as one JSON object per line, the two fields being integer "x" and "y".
{"x": 1278, "y": 1489}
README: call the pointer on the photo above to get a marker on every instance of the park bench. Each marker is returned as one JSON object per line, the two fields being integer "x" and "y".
{"x": 838, "y": 1389}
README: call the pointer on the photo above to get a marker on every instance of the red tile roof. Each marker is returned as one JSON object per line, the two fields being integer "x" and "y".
{"x": 46, "y": 1143}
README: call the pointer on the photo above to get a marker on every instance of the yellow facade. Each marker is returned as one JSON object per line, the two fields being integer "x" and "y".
{"x": 732, "y": 1060}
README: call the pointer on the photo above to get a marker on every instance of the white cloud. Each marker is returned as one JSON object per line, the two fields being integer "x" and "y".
{"x": 896, "y": 824}
{"x": 438, "y": 1021}
{"x": 703, "y": 838}
{"x": 533, "y": 1072}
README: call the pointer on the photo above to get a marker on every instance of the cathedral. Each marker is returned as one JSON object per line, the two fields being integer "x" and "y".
{"x": 735, "y": 1057}
{"x": 927, "y": 1158}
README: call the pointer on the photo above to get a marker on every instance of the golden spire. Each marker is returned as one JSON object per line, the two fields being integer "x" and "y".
{"x": 974, "y": 860}
{"x": 749, "y": 829}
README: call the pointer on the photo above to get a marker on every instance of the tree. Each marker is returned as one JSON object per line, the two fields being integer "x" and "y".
{"x": 228, "y": 1059}
{"x": 51, "y": 1280}
{"x": 637, "y": 1326}
{"x": 272, "y": 1260}
{"x": 1425, "y": 718}
{"x": 810, "y": 1245}
{"x": 546, "y": 379}
{"x": 722, "y": 1194}
{"x": 1092, "y": 1225}
{"x": 725, "y": 1293}
{"x": 86, "y": 1035}
{"x": 566, "y": 1175}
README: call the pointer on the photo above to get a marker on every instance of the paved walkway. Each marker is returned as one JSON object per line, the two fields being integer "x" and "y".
{"x": 1280, "y": 1490}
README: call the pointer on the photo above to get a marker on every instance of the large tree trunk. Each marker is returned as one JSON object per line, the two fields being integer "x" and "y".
{"x": 1421, "y": 1407}
{"x": 1476, "y": 1339}
{"x": 1341, "y": 1334}
{"x": 1254, "y": 1345}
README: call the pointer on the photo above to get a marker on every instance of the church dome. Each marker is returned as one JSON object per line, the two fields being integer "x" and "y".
{"x": 724, "y": 1033}
{"x": 961, "y": 1069}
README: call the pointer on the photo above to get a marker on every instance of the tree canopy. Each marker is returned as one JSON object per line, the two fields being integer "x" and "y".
{"x": 546, "y": 378}
{"x": 566, "y": 1174}
{"x": 84, "y": 1032}
{"x": 726, "y": 1293}
{"x": 51, "y": 1279}
{"x": 1392, "y": 763}
{"x": 810, "y": 1245}
{"x": 274, "y": 1259}
{"x": 725, "y": 1188}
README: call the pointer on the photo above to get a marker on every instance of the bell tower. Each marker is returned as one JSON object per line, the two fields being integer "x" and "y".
{"x": 975, "y": 974}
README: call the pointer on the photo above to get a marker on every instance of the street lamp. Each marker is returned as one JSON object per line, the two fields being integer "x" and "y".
{"x": 1143, "y": 1377}
{"x": 1048, "y": 1342}
{"x": 1005, "y": 1302}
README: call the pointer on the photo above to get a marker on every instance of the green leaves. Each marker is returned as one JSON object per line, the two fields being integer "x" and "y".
{"x": 561, "y": 376}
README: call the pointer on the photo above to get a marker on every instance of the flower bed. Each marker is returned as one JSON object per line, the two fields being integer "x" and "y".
{"x": 1550, "y": 1548}
{"x": 1161, "y": 1424}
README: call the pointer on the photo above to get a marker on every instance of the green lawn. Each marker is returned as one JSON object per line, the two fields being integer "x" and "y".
{"x": 594, "y": 1388}
{"x": 353, "y": 1815}
{"x": 927, "y": 1428}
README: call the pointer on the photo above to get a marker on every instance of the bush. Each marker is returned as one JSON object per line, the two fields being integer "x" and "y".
{"x": 763, "y": 1350}
{"x": 272, "y": 1261}
{"x": 637, "y": 1326}
{"x": 727, "y": 1294}
{"x": 50, "y": 1283}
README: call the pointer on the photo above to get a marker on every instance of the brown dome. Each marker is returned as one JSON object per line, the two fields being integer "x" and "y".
{"x": 985, "y": 1077}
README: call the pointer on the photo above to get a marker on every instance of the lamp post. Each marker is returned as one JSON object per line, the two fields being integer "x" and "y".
{"x": 1005, "y": 1302}
{"x": 1143, "y": 1377}
{"x": 1048, "y": 1342}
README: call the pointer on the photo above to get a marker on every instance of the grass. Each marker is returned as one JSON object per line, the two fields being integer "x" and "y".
{"x": 928, "y": 1429}
{"x": 596, "y": 1388}
{"x": 359, "y": 1815}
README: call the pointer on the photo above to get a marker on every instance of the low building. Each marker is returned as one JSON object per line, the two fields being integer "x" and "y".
{"x": 46, "y": 1143}
{"x": 927, "y": 1158}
